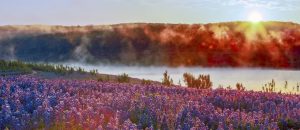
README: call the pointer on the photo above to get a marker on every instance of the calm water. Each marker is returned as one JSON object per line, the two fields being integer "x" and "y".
{"x": 252, "y": 79}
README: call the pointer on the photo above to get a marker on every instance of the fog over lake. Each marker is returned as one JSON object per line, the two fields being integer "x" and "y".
{"x": 251, "y": 78}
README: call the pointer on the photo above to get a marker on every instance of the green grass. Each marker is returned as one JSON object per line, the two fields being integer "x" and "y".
{"x": 13, "y": 67}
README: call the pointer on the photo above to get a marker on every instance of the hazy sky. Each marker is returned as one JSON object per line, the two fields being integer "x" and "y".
{"x": 84, "y": 12}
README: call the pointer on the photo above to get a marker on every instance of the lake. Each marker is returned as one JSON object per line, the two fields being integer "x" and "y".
{"x": 252, "y": 79}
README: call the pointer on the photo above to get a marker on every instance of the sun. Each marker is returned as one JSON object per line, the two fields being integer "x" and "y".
{"x": 255, "y": 17}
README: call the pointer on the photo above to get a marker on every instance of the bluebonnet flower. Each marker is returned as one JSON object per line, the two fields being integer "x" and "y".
{"x": 30, "y": 103}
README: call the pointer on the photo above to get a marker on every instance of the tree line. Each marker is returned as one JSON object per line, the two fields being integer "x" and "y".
{"x": 7, "y": 67}
{"x": 209, "y": 45}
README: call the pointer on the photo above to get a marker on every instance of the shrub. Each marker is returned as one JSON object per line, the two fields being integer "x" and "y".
{"x": 146, "y": 82}
{"x": 166, "y": 79}
{"x": 144, "y": 117}
{"x": 240, "y": 87}
{"x": 94, "y": 72}
{"x": 100, "y": 79}
{"x": 18, "y": 67}
{"x": 103, "y": 78}
{"x": 269, "y": 87}
{"x": 13, "y": 67}
{"x": 123, "y": 78}
{"x": 202, "y": 82}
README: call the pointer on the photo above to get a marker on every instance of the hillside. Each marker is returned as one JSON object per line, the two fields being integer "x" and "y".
{"x": 234, "y": 44}
{"x": 33, "y": 103}
{"x": 48, "y": 71}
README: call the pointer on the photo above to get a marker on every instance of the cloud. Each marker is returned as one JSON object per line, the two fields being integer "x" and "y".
{"x": 283, "y": 5}
{"x": 185, "y": 3}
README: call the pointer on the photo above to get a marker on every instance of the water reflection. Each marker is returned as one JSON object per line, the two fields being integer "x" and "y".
{"x": 252, "y": 79}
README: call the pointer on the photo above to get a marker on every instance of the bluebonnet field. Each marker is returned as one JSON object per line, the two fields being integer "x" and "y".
{"x": 32, "y": 103}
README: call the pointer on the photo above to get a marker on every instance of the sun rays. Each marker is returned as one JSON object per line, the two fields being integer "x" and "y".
{"x": 255, "y": 17}
{"x": 254, "y": 30}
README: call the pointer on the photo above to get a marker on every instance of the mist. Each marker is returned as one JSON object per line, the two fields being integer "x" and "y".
{"x": 251, "y": 78}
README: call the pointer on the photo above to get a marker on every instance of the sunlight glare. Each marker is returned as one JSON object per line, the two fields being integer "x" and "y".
{"x": 255, "y": 17}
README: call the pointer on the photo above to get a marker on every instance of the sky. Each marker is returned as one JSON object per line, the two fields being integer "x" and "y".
{"x": 96, "y": 12}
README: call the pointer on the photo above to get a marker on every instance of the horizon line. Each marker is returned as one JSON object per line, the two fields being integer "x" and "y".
{"x": 122, "y": 23}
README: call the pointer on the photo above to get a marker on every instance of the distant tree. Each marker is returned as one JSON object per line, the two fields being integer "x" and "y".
{"x": 23, "y": 67}
{"x": 80, "y": 70}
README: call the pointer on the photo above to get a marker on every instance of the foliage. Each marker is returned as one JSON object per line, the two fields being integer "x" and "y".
{"x": 240, "y": 87}
{"x": 94, "y": 72}
{"x": 123, "y": 78}
{"x": 13, "y": 66}
{"x": 209, "y": 45}
{"x": 18, "y": 67}
{"x": 100, "y": 79}
{"x": 144, "y": 117}
{"x": 167, "y": 81}
{"x": 146, "y": 82}
{"x": 32, "y": 103}
{"x": 202, "y": 82}
{"x": 269, "y": 87}
{"x": 103, "y": 78}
